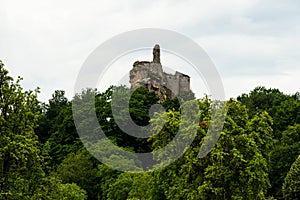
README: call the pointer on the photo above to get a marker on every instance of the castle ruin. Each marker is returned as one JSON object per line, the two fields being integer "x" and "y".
{"x": 150, "y": 75}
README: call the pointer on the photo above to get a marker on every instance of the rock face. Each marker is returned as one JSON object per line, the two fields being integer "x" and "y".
{"x": 150, "y": 75}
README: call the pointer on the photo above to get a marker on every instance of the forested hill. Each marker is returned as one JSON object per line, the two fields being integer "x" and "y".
{"x": 42, "y": 157}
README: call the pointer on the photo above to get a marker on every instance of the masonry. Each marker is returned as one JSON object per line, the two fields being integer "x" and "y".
{"x": 150, "y": 74}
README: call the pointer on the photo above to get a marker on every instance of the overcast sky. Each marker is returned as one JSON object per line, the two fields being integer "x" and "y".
{"x": 251, "y": 42}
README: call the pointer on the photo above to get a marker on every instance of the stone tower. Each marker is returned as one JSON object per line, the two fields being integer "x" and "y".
{"x": 150, "y": 75}
{"x": 156, "y": 54}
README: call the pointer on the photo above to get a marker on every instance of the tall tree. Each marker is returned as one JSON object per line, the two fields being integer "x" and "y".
{"x": 80, "y": 168}
{"x": 57, "y": 131}
{"x": 236, "y": 167}
{"x": 20, "y": 160}
{"x": 291, "y": 186}
{"x": 282, "y": 157}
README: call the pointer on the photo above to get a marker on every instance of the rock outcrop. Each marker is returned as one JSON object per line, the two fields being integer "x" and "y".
{"x": 150, "y": 75}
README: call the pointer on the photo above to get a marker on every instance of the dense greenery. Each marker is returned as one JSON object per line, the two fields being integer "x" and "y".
{"x": 42, "y": 157}
{"x": 291, "y": 186}
{"x": 22, "y": 162}
{"x": 285, "y": 112}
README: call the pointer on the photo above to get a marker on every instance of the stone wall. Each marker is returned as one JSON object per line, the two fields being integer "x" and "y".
{"x": 150, "y": 75}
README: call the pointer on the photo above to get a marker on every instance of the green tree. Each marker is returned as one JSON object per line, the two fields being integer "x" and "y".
{"x": 236, "y": 167}
{"x": 262, "y": 99}
{"x": 131, "y": 186}
{"x": 20, "y": 160}
{"x": 108, "y": 177}
{"x": 49, "y": 121}
{"x": 131, "y": 105}
{"x": 280, "y": 163}
{"x": 81, "y": 169}
{"x": 120, "y": 189}
{"x": 57, "y": 131}
{"x": 284, "y": 109}
{"x": 54, "y": 189}
{"x": 291, "y": 186}
{"x": 141, "y": 187}
{"x": 285, "y": 112}
{"x": 260, "y": 129}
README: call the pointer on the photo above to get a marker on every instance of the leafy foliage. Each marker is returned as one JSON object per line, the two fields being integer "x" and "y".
{"x": 291, "y": 186}
{"x": 235, "y": 168}
{"x": 285, "y": 112}
{"x": 42, "y": 157}
{"x": 80, "y": 169}
{"x": 21, "y": 161}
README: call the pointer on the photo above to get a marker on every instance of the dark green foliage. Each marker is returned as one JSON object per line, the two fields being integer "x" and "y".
{"x": 284, "y": 109}
{"x": 285, "y": 112}
{"x": 107, "y": 178}
{"x": 140, "y": 101}
{"x": 139, "y": 105}
{"x": 170, "y": 104}
{"x": 50, "y": 120}
{"x": 57, "y": 131}
{"x": 80, "y": 169}
{"x": 261, "y": 99}
{"x": 283, "y": 156}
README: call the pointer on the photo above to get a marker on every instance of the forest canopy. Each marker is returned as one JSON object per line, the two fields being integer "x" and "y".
{"x": 42, "y": 156}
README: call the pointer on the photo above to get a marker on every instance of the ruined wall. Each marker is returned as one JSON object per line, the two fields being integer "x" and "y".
{"x": 172, "y": 83}
{"x": 145, "y": 72}
{"x": 150, "y": 75}
{"x": 184, "y": 81}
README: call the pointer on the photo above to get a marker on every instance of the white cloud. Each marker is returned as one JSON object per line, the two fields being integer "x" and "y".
{"x": 46, "y": 42}
{"x": 287, "y": 82}
{"x": 242, "y": 54}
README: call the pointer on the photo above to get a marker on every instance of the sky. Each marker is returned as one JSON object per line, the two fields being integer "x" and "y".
{"x": 251, "y": 42}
